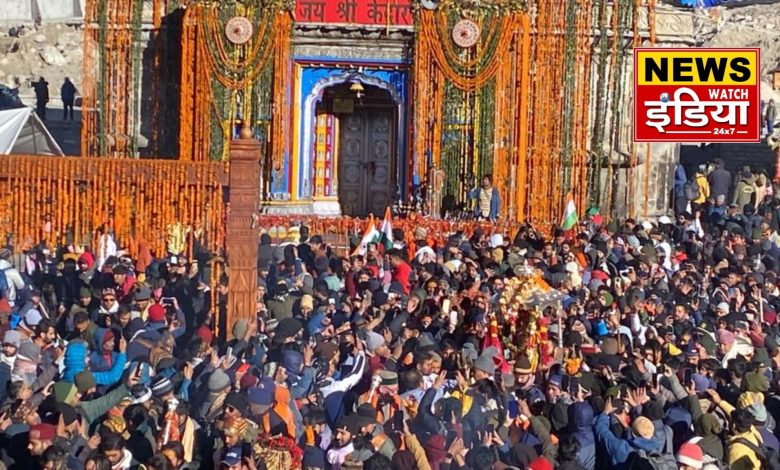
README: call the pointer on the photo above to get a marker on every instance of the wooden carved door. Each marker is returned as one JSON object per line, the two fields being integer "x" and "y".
{"x": 366, "y": 158}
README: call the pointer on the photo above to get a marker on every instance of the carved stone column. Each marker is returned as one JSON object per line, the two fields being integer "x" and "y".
{"x": 241, "y": 239}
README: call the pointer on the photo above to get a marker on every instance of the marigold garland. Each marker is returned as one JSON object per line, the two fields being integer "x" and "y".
{"x": 54, "y": 200}
{"x": 216, "y": 75}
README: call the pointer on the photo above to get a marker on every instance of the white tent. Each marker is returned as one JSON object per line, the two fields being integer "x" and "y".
{"x": 23, "y": 132}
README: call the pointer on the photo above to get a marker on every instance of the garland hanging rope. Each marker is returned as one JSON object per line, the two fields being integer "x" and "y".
{"x": 221, "y": 80}
{"x": 531, "y": 71}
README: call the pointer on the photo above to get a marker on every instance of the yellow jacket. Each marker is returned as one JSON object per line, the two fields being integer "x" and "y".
{"x": 704, "y": 189}
{"x": 738, "y": 451}
{"x": 417, "y": 451}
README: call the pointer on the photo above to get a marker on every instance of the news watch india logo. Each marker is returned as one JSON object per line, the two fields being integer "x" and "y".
{"x": 696, "y": 95}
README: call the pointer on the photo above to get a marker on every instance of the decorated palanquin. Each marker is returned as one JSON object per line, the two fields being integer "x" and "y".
{"x": 278, "y": 453}
{"x": 521, "y": 321}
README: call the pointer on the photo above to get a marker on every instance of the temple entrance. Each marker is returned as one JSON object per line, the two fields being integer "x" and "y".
{"x": 366, "y": 148}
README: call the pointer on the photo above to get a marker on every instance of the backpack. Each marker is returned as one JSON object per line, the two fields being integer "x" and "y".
{"x": 653, "y": 460}
{"x": 770, "y": 459}
{"x": 4, "y": 287}
{"x": 691, "y": 190}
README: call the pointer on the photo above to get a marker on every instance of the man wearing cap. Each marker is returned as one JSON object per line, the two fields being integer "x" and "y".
{"x": 83, "y": 304}
{"x": 232, "y": 459}
{"x": 375, "y": 431}
{"x": 123, "y": 283}
{"x": 346, "y": 430}
{"x": 142, "y": 299}
{"x": 41, "y": 437}
{"x": 107, "y": 307}
{"x": 281, "y": 305}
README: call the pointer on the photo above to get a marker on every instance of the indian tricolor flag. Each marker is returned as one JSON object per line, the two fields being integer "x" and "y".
{"x": 387, "y": 229}
{"x": 370, "y": 235}
{"x": 570, "y": 213}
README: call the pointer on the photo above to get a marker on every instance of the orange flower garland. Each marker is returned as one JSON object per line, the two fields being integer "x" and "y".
{"x": 47, "y": 198}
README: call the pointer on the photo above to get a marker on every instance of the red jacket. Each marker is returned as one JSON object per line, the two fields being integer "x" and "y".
{"x": 401, "y": 274}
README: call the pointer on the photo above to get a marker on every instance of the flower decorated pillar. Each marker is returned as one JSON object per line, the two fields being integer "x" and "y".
{"x": 241, "y": 239}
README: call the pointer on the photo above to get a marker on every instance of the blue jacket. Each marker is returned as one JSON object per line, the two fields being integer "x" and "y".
{"x": 75, "y": 362}
{"x": 97, "y": 361}
{"x": 495, "y": 203}
{"x": 620, "y": 450}
{"x": 679, "y": 180}
{"x": 581, "y": 427}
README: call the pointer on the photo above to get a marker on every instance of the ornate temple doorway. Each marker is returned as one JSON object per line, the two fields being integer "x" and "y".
{"x": 366, "y": 147}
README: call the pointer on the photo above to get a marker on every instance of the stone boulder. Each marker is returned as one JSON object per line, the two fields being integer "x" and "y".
{"x": 51, "y": 56}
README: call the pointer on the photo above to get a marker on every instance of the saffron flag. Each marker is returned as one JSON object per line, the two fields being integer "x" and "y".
{"x": 370, "y": 235}
{"x": 570, "y": 213}
{"x": 387, "y": 229}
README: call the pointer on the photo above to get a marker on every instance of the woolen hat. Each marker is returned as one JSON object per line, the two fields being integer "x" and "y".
{"x": 540, "y": 463}
{"x": 374, "y": 341}
{"x": 247, "y": 381}
{"x": 307, "y": 301}
{"x": 218, "y": 381}
{"x": 31, "y": 351}
{"x": 85, "y": 292}
{"x": 68, "y": 413}
{"x": 485, "y": 361}
{"x": 643, "y": 427}
{"x": 691, "y": 455}
{"x": 205, "y": 334}
{"x": 64, "y": 392}
{"x": 725, "y": 336}
{"x": 288, "y": 327}
{"x": 84, "y": 381}
{"x": 240, "y": 328}
{"x": 12, "y": 337}
{"x": 237, "y": 401}
{"x": 140, "y": 393}
{"x": 758, "y": 411}
{"x": 161, "y": 386}
{"x": 43, "y": 432}
{"x": 143, "y": 293}
{"x": 156, "y": 313}
{"x": 755, "y": 381}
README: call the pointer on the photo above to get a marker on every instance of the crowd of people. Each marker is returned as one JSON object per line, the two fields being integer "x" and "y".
{"x": 661, "y": 351}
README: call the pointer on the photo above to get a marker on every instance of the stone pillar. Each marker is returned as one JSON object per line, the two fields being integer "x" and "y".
{"x": 241, "y": 239}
